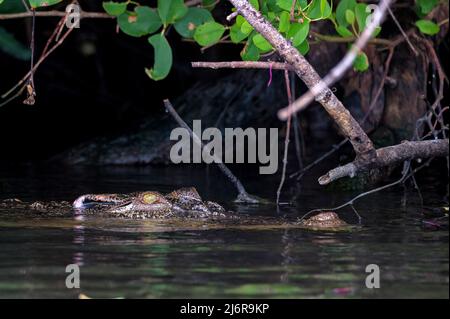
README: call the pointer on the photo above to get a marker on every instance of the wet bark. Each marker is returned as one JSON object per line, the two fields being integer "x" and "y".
{"x": 389, "y": 156}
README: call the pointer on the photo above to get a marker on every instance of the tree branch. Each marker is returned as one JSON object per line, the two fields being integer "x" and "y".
{"x": 338, "y": 71}
{"x": 390, "y": 155}
{"x": 83, "y": 14}
{"x": 243, "y": 196}
{"x": 55, "y": 13}
{"x": 243, "y": 65}
{"x": 349, "y": 126}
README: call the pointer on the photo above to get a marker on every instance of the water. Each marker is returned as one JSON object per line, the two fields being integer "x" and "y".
{"x": 147, "y": 259}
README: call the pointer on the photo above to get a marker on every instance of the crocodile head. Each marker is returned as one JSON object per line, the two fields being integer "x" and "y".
{"x": 324, "y": 221}
{"x": 184, "y": 202}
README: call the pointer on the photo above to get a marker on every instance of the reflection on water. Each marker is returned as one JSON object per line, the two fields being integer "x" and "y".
{"x": 130, "y": 258}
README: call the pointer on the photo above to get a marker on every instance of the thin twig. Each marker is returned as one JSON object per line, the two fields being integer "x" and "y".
{"x": 25, "y": 5}
{"x": 243, "y": 65}
{"x": 298, "y": 135}
{"x": 413, "y": 49}
{"x": 55, "y": 13}
{"x": 31, "y": 91}
{"x": 286, "y": 139}
{"x": 292, "y": 12}
{"x": 318, "y": 160}
{"x": 232, "y": 15}
{"x": 405, "y": 176}
{"x": 12, "y": 98}
{"x": 243, "y": 196}
{"x": 338, "y": 39}
{"x": 38, "y": 63}
{"x": 203, "y": 49}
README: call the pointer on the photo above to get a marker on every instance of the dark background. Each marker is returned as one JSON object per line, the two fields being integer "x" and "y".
{"x": 94, "y": 84}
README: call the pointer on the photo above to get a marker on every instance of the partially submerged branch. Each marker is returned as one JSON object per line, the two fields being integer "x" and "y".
{"x": 388, "y": 156}
{"x": 243, "y": 196}
{"x": 286, "y": 139}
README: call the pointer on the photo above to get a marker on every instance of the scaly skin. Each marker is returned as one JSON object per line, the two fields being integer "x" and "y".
{"x": 181, "y": 203}
{"x": 324, "y": 220}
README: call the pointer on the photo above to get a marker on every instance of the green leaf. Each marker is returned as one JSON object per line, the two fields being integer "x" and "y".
{"x": 246, "y": 27}
{"x": 303, "y": 48}
{"x": 209, "y": 33}
{"x": 285, "y": 4}
{"x": 361, "y": 62}
{"x": 350, "y": 17}
{"x": 209, "y": 4}
{"x": 284, "y": 21}
{"x": 342, "y": 7}
{"x": 271, "y": 16}
{"x": 344, "y": 32}
{"x": 361, "y": 16}
{"x": 261, "y": 43}
{"x": 42, "y": 3}
{"x": 114, "y": 8}
{"x": 376, "y": 32}
{"x": 142, "y": 21}
{"x": 163, "y": 57}
{"x": 171, "y": 10}
{"x": 255, "y": 4}
{"x": 12, "y": 7}
{"x": 426, "y": 6}
{"x": 298, "y": 32}
{"x": 319, "y": 9}
{"x": 11, "y": 46}
{"x": 427, "y": 27}
{"x": 236, "y": 34}
{"x": 250, "y": 51}
{"x": 194, "y": 17}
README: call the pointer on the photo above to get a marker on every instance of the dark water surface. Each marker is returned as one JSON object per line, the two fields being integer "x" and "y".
{"x": 148, "y": 259}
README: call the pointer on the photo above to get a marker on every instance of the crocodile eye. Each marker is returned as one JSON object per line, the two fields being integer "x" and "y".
{"x": 149, "y": 198}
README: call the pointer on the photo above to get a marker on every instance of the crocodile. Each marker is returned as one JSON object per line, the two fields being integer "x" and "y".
{"x": 184, "y": 203}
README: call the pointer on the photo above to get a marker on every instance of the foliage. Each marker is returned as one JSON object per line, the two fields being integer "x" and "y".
{"x": 427, "y": 27}
{"x": 10, "y": 45}
{"x": 197, "y": 23}
{"x": 43, "y": 3}
{"x": 424, "y": 7}
{"x": 349, "y": 18}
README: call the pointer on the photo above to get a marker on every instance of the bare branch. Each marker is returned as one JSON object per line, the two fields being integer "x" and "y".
{"x": 243, "y": 196}
{"x": 232, "y": 15}
{"x": 413, "y": 49}
{"x": 243, "y": 65}
{"x": 349, "y": 126}
{"x": 388, "y": 156}
{"x": 286, "y": 139}
{"x": 47, "y": 51}
{"x": 55, "y": 13}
